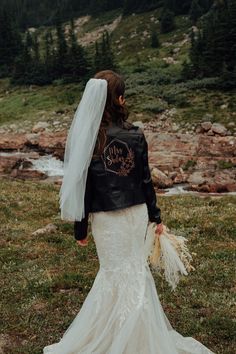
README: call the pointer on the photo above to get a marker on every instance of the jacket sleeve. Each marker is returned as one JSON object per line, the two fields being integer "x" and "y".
{"x": 154, "y": 212}
{"x": 81, "y": 227}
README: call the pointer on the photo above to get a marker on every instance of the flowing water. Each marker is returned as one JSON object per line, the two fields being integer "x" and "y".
{"x": 53, "y": 167}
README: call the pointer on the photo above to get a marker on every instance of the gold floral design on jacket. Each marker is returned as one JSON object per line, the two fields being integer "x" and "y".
{"x": 118, "y": 157}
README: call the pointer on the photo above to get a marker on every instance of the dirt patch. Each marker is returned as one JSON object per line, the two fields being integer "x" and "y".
{"x": 91, "y": 37}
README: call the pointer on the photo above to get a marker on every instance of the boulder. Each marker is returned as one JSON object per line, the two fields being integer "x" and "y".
{"x": 196, "y": 178}
{"x": 206, "y": 126}
{"x": 218, "y": 128}
{"x": 160, "y": 179}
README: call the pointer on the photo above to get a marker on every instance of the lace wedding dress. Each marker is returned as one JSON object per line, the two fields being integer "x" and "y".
{"x": 122, "y": 313}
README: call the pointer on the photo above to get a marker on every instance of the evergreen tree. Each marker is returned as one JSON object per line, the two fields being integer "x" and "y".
{"x": 183, "y": 6}
{"x": 97, "y": 58}
{"x": 213, "y": 52}
{"x": 48, "y": 56}
{"x": 10, "y": 41}
{"x": 38, "y": 70}
{"x": 62, "y": 50}
{"x": 154, "y": 39}
{"x": 23, "y": 63}
{"x": 195, "y": 11}
{"x": 231, "y": 38}
{"x": 77, "y": 63}
{"x": 167, "y": 21}
{"x": 104, "y": 57}
{"x": 35, "y": 47}
{"x": 107, "y": 52}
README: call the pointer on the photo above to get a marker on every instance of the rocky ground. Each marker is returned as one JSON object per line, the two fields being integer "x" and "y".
{"x": 203, "y": 155}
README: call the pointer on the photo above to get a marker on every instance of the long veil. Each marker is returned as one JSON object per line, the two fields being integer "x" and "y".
{"x": 79, "y": 148}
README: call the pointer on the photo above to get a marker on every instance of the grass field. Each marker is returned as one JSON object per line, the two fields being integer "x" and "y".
{"x": 46, "y": 278}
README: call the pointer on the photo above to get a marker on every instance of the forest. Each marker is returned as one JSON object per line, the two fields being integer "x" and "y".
{"x": 27, "y": 60}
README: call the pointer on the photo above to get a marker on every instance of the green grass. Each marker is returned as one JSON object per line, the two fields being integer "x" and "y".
{"x": 24, "y": 104}
{"x": 45, "y": 279}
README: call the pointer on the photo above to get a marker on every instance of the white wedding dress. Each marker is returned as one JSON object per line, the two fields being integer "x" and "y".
{"x": 122, "y": 313}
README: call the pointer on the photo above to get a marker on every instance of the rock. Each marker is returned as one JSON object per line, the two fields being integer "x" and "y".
{"x": 170, "y": 60}
{"x": 160, "y": 179}
{"x": 231, "y": 187}
{"x": 196, "y": 178}
{"x": 39, "y": 127}
{"x": 214, "y": 188}
{"x": 56, "y": 122}
{"x": 173, "y": 175}
{"x": 218, "y": 128}
{"x": 210, "y": 133}
{"x": 176, "y": 50}
{"x": 53, "y": 142}
{"x": 139, "y": 124}
{"x": 224, "y": 106}
{"x": 198, "y": 129}
{"x": 50, "y": 228}
{"x": 231, "y": 124}
{"x": 27, "y": 174}
{"x": 32, "y": 139}
{"x": 26, "y": 164}
{"x": 13, "y": 126}
{"x": 206, "y": 126}
{"x": 175, "y": 127}
{"x": 10, "y": 141}
{"x": 7, "y": 163}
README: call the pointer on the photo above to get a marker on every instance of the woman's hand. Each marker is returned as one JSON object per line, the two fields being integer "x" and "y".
{"x": 159, "y": 229}
{"x": 83, "y": 242}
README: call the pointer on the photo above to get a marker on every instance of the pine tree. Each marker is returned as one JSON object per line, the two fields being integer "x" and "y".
{"x": 195, "y": 11}
{"x": 62, "y": 50}
{"x": 77, "y": 63}
{"x": 231, "y": 39}
{"x": 154, "y": 39}
{"x": 97, "y": 58}
{"x": 47, "y": 59}
{"x": 10, "y": 41}
{"x": 39, "y": 73}
{"x": 21, "y": 73}
{"x": 35, "y": 47}
{"x": 108, "y": 55}
{"x": 213, "y": 52}
{"x": 167, "y": 21}
{"x": 104, "y": 57}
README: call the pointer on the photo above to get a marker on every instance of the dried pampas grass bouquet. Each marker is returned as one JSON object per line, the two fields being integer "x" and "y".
{"x": 168, "y": 254}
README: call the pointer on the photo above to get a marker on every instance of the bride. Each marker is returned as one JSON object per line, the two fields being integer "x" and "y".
{"x": 107, "y": 178}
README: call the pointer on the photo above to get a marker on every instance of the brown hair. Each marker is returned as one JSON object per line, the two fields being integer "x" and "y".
{"x": 113, "y": 111}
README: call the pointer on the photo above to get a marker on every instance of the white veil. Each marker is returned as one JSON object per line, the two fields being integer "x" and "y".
{"x": 79, "y": 148}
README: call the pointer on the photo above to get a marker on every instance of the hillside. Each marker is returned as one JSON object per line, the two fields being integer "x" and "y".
{"x": 152, "y": 78}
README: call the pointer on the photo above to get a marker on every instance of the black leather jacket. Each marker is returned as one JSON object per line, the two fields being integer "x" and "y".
{"x": 120, "y": 177}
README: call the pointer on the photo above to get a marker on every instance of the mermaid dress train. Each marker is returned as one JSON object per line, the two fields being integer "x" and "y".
{"x": 122, "y": 313}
